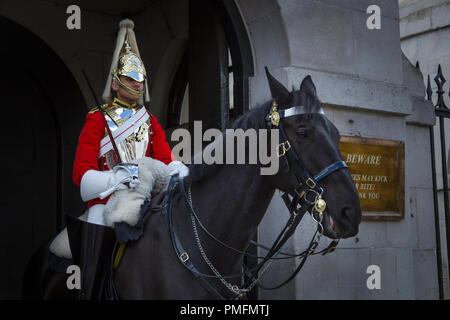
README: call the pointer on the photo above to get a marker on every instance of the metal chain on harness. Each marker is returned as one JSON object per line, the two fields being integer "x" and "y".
{"x": 240, "y": 292}
{"x": 233, "y": 288}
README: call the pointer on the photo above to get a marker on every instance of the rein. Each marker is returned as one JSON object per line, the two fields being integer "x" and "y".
{"x": 307, "y": 198}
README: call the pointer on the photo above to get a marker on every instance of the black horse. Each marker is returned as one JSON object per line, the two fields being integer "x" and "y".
{"x": 230, "y": 201}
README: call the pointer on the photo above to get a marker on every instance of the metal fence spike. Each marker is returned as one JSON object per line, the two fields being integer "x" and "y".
{"x": 440, "y": 81}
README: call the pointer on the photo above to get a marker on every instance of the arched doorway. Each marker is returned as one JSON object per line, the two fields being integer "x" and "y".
{"x": 211, "y": 83}
{"x": 43, "y": 111}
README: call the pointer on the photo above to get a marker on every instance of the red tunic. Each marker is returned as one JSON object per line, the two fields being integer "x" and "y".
{"x": 88, "y": 149}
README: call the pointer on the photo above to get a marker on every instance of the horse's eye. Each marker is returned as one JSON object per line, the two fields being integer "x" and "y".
{"x": 302, "y": 132}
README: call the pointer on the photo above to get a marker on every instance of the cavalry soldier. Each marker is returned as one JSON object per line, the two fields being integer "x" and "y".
{"x": 97, "y": 168}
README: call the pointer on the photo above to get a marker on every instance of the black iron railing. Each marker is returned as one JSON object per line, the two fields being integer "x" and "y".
{"x": 442, "y": 112}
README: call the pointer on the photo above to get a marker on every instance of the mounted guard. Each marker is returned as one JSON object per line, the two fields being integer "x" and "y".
{"x": 228, "y": 203}
{"x": 115, "y": 136}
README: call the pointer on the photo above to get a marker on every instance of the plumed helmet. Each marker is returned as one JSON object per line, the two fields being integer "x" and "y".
{"x": 127, "y": 61}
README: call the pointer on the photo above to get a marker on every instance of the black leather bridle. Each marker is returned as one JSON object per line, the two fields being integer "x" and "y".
{"x": 307, "y": 197}
{"x": 305, "y": 182}
{"x": 307, "y": 193}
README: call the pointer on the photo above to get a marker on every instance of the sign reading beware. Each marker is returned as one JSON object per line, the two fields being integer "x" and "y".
{"x": 378, "y": 169}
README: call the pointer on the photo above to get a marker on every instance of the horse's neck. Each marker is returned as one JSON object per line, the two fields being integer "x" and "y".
{"x": 230, "y": 203}
{"x": 235, "y": 200}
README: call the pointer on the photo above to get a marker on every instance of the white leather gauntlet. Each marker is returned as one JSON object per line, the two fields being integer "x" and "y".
{"x": 178, "y": 167}
{"x": 100, "y": 184}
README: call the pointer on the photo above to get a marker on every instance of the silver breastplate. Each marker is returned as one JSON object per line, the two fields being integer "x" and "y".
{"x": 135, "y": 145}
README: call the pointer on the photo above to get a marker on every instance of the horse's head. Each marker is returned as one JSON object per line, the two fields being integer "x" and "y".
{"x": 315, "y": 141}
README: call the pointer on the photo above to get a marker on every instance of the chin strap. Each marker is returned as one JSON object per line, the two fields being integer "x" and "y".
{"x": 128, "y": 89}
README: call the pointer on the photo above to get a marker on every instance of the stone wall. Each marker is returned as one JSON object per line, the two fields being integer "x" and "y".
{"x": 361, "y": 75}
{"x": 424, "y": 31}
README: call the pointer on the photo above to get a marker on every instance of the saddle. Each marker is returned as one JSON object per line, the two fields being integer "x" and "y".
{"x": 104, "y": 240}
{"x": 123, "y": 230}
{"x": 123, "y": 211}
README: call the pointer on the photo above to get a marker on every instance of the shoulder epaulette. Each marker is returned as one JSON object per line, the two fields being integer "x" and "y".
{"x": 95, "y": 109}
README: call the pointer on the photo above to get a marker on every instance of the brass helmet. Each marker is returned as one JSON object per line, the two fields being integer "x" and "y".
{"x": 127, "y": 62}
{"x": 131, "y": 65}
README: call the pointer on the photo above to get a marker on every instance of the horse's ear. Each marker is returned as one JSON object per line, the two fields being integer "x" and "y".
{"x": 308, "y": 86}
{"x": 278, "y": 91}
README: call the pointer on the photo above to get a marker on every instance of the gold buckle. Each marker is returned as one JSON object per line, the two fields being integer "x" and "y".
{"x": 184, "y": 257}
{"x": 286, "y": 147}
{"x": 313, "y": 249}
{"x": 331, "y": 249}
{"x": 278, "y": 150}
{"x": 310, "y": 183}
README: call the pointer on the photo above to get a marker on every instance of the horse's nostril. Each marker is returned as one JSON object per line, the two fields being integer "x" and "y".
{"x": 350, "y": 220}
{"x": 346, "y": 213}
{"x": 349, "y": 213}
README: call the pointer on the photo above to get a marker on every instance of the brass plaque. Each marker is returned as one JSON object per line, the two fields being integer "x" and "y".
{"x": 378, "y": 169}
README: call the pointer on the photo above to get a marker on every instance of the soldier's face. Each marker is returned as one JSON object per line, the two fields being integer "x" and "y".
{"x": 123, "y": 94}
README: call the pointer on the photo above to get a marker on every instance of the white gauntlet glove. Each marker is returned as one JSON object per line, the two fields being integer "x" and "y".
{"x": 100, "y": 184}
{"x": 178, "y": 167}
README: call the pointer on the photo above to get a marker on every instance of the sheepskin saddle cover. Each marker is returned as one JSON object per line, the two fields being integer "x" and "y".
{"x": 124, "y": 206}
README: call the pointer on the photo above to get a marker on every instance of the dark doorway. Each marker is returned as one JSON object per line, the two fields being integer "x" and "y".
{"x": 31, "y": 163}
{"x": 207, "y": 67}
{"x": 43, "y": 111}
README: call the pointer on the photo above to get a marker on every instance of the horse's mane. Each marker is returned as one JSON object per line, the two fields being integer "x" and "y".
{"x": 255, "y": 119}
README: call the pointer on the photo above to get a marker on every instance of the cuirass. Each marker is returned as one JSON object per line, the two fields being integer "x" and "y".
{"x": 135, "y": 145}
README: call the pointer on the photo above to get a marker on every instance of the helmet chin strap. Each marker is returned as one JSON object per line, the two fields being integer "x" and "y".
{"x": 128, "y": 89}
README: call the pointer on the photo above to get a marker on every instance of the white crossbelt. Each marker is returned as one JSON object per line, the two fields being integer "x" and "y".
{"x": 124, "y": 131}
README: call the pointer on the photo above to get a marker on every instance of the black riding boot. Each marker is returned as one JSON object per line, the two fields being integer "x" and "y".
{"x": 93, "y": 257}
